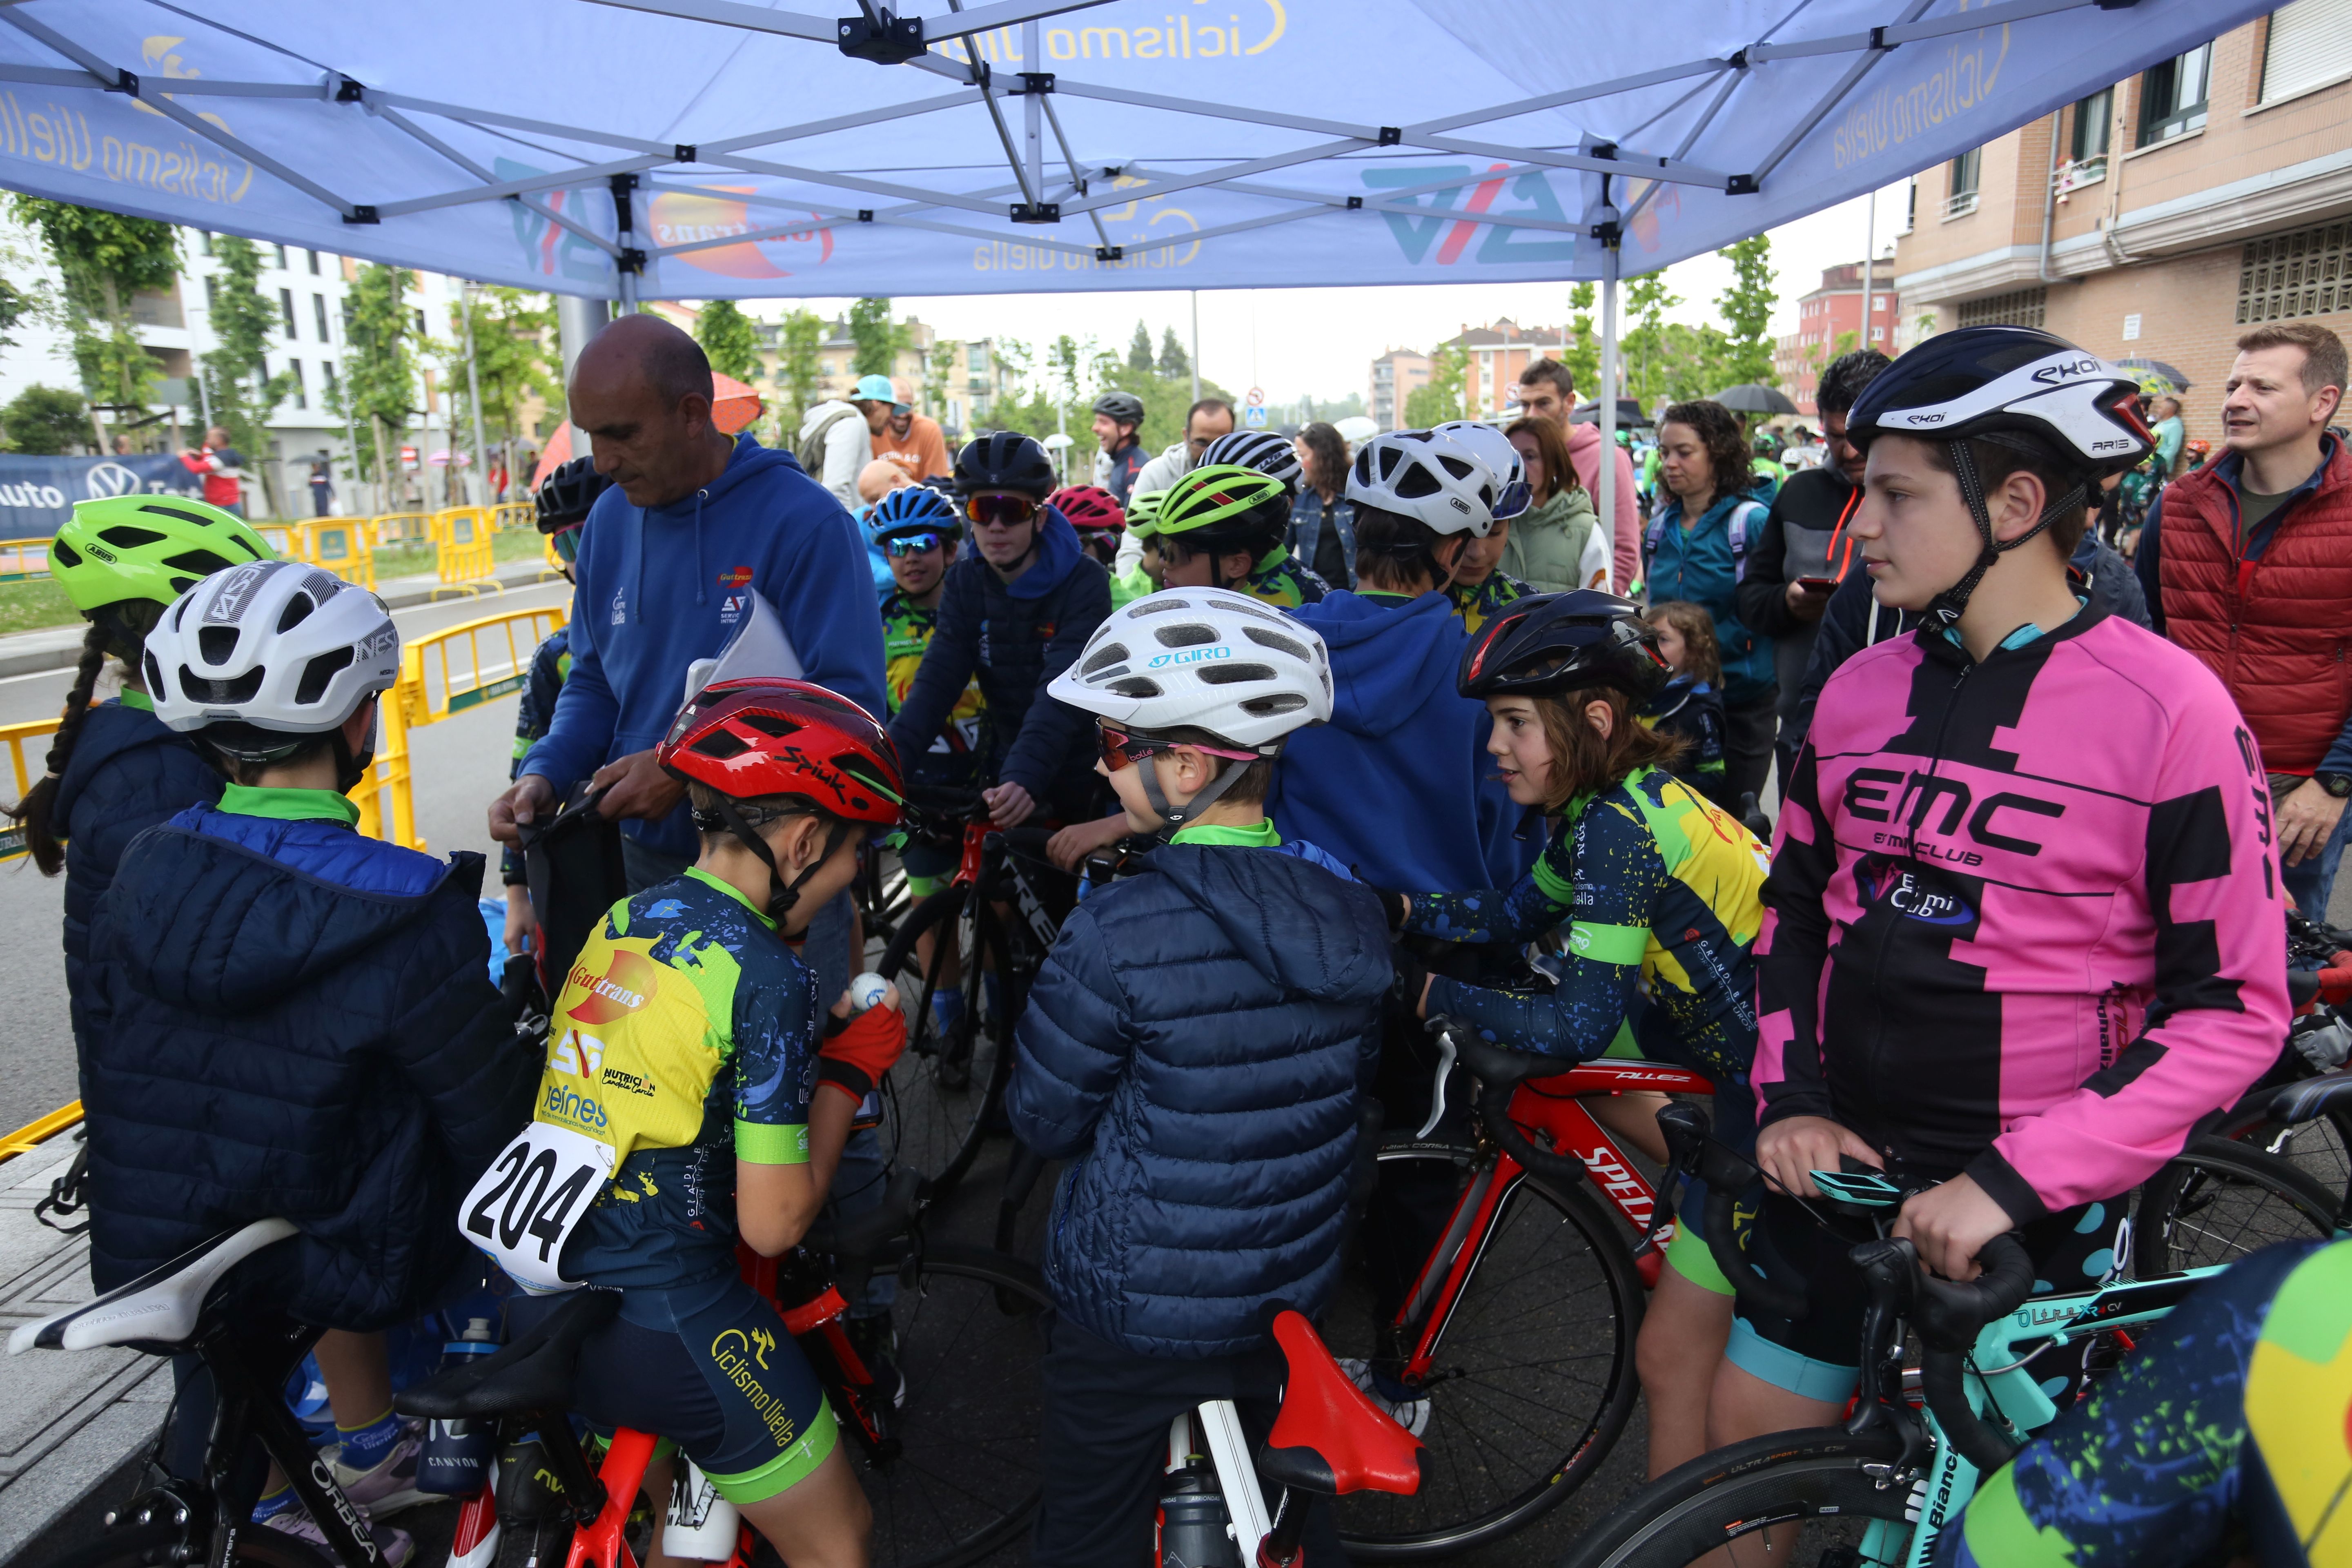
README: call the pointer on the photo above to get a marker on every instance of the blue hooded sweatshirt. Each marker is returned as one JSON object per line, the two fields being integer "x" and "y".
{"x": 1398, "y": 786}
{"x": 660, "y": 587}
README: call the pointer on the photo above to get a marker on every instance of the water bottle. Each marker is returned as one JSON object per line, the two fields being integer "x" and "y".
{"x": 702, "y": 1525}
{"x": 456, "y": 1457}
{"x": 1195, "y": 1526}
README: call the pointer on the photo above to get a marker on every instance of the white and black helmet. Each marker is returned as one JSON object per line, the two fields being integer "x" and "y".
{"x": 260, "y": 658}
{"x": 1432, "y": 479}
{"x": 1513, "y": 494}
{"x": 1271, "y": 455}
{"x": 2013, "y": 386}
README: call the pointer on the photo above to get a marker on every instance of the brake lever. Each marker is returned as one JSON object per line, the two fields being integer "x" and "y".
{"x": 1445, "y": 1070}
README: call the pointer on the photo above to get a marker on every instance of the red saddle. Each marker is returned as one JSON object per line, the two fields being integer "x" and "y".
{"x": 1330, "y": 1438}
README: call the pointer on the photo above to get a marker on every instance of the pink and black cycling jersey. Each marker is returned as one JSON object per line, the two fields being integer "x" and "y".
{"x": 2024, "y": 920}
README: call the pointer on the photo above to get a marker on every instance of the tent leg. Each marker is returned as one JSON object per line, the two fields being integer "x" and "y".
{"x": 1608, "y": 474}
{"x": 1196, "y": 349}
{"x": 576, "y": 321}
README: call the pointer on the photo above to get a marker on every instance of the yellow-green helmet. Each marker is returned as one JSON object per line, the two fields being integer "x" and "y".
{"x": 146, "y": 547}
{"x": 1143, "y": 513}
{"x": 1217, "y": 501}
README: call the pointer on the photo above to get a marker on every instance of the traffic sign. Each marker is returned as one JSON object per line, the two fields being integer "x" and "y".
{"x": 1254, "y": 415}
{"x": 1253, "y": 398}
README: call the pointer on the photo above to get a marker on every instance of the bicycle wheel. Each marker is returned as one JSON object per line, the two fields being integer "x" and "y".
{"x": 970, "y": 1345}
{"x": 1533, "y": 1380}
{"x": 2218, "y": 1201}
{"x": 1811, "y": 1485}
{"x": 943, "y": 1088}
{"x": 2320, "y": 1148}
{"x": 152, "y": 1545}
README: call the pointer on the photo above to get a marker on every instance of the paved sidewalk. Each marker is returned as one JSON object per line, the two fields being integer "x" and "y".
{"x": 68, "y": 1419}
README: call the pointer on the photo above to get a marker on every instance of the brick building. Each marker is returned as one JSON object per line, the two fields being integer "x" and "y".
{"x": 2164, "y": 215}
{"x": 1396, "y": 375}
{"x": 1830, "y": 321}
{"x": 1496, "y": 354}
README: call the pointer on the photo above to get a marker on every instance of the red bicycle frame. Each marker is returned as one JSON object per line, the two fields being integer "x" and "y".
{"x": 1548, "y": 1108}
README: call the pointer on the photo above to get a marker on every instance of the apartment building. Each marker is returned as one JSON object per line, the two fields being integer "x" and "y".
{"x": 1833, "y": 320}
{"x": 1496, "y": 354}
{"x": 1396, "y": 375}
{"x": 2164, "y": 215}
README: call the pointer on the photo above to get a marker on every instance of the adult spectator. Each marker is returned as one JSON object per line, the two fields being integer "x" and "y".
{"x": 2252, "y": 572}
{"x": 323, "y": 488}
{"x": 694, "y": 522}
{"x": 1698, "y": 541}
{"x": 837, "y": 436}
{"x": 1322, "y": 520}
{"x": 1117, "y": 416}
{"x": 1203, "y": 423}
{"x": 1547, "y": 392}
{"x": 1791, "y": 570}
{"x": 2171, "y": 434}
{"x": 220, "y": 466}
{"x": 910, "y": 440}
{"x": 1556, "y": 544}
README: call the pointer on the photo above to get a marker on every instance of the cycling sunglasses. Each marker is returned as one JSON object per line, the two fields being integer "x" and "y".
{"x": 1003, "y": 510}
{"x": 910, "y": 544}
{"x": 1121, "y": 748}
{"x": 567, "y": 543}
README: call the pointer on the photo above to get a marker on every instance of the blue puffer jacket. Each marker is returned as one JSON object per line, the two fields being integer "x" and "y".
{"x": 127, "y": 773}
{"x": 287, "y": 1018}
{"x": 1200, "y": 1036}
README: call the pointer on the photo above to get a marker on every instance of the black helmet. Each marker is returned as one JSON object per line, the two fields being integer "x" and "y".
{"x": 1549, "y": 643}
{"x": 566, "y": 494}
{"x": 1120, "y": 407}
{"x": 1005, "y": 460}
{"x": 2014, "y": 386}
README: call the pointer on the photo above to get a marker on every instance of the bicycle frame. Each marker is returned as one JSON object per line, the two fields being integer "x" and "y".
{"x": 1549, "y": 1107}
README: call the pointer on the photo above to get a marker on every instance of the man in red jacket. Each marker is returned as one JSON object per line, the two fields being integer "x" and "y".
{"x": 2253, "y": 574}
{"x": 216, "y": 463}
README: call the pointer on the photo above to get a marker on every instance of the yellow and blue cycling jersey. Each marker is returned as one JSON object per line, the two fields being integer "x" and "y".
{"x": 1280, "y": 580}
{"x": 2221, "y": 1437}
{"x": 686, "y": 1037}
{"x": 1473, "y": 602}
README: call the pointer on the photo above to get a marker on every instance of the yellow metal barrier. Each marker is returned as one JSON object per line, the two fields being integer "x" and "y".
{"x": 33, "y": 1134}
{"x": 278, "y": 536}
{"x": 400, "y": 527}
{"x": 343, "y": 545}
{"x": 387, "y": 804}
{"x": 514, "y": 514}
{"x": 18, "y": 739}
{"x": 448, "y": 672}
{"x": 24, "y": 559}
{"x": 462, "y": 549}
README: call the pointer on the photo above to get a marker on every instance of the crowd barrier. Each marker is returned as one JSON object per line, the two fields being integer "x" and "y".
{"x": 24, "y": 559}
{"x": 26, "y": 761}
{"x": 513, "y": 514}
{"x": 33, "y": 1134}
{"x": 463, "y": 554}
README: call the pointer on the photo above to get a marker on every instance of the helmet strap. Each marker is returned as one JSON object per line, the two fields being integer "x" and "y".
{"x": 1173, "y": 818}
{"x": 351, "y": 766}
{"x": 781, "y": 896}
{"x": 1947, "y": 607}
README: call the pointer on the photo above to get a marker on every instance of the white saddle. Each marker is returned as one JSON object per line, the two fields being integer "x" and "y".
{"x": 159, "y": 1306}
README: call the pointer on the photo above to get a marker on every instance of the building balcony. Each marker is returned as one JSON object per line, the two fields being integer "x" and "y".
{"x": 2075, "y": 173}
{"x": 1960, "y": 206}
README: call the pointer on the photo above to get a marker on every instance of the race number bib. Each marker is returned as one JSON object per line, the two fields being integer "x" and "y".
{"x": 528, "y": 1203}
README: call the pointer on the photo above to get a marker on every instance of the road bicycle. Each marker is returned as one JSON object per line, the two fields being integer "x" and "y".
{"x": 1880, "y": 1490}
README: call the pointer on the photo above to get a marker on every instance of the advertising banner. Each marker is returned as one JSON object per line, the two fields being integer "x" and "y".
{"x": 37, "y": 494}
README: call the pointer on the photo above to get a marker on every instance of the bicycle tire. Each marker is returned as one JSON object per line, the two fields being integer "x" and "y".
{"x": 937, "y": 1122}
{"x": 2320, "y": 1148}
{"x": 1813, "y": 1479}
{"x": 151, "y": 1545}
{"x": 971, "y": 1341}
{"x": 2218, "y": 1200}
{"x": 1485, "y": 1474}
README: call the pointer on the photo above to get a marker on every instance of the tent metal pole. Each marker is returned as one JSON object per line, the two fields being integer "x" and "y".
{"x": 577, "y": 320}
{"x": 1032, "y": 113}
{"x": 1608, "y": 474}
{"x": 474, "y": 390}
{"x": 1869, "y": 261}
{"x": 1196, "y": 348}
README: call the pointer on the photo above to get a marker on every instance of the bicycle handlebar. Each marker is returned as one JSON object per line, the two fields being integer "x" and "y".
{"x": 1499, "y": 1073}
{"x": 1727, "y": 1176}
{"x": 1949, "y": 1314}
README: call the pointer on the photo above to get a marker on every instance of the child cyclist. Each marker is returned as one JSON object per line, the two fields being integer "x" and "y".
{"x": 686, "y": 1049}
{"x": 1099, "y": 520}
{"x": 2025, "y": 923}
{"x": 1197, "y": 1063}
{"x": 1222, "y": 526}
{"x": 1690, "y": 705}
{"x": 1656, "y": 893}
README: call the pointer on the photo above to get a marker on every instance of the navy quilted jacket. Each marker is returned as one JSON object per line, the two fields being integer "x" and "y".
{"x": 287, "y": 1018}
{"x": 127, "y": 773}
{"x": 1199, "y": 1038}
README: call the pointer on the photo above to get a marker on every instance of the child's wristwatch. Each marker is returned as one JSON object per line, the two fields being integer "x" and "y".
{"x": 2336, "y": 784}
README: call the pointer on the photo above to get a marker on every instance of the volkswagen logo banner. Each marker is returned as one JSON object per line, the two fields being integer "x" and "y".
{"x": 38, "y": 494}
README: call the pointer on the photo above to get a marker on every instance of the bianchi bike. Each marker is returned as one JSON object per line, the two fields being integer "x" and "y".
{"x": 1880, "y": 1490}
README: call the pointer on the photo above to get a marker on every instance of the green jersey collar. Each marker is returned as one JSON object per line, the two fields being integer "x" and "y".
{"x": 1259, "y": 835}
{"x": 139, "y": 700}
{"x": 290, "y": 805}
{"x": 732, "y": 892}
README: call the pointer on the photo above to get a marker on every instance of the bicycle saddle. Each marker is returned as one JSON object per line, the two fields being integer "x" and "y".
{"x": 1330, "y": 1438}
{"x": 2291, "y": 1104}
{"x": 529, "y": 1377}
{"x": 160, "y": 1307}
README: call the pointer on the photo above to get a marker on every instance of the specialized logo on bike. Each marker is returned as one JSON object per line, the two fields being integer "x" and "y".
{"x": 628, "y": 983}
{"x": 528, "y": 1203}
{"x": 740, "y": 1359}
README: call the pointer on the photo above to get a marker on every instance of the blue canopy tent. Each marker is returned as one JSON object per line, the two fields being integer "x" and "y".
{"x": 699, "y": 149}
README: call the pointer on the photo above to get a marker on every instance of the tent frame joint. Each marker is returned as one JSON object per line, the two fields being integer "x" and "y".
{"x": 1111, "y": 253}
{"x": 1391, "y": 135}
{"x": 1036, "y": 212}
{"x": 1036, "y": 81}
{"x": 126, "y": 82}
{"x": 1743, "y": 185}
{"x": 684, "y": 152}
{"x": 1355, "y": 204}
{"x": 364, "y": 213}
{"x": 632, "y": 260}
{"x": 877, "y": 34}
{"x": 865, "y": 215}
{"x": 347, "y": 90}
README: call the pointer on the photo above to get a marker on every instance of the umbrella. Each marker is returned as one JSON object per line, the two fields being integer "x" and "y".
{"x": 733, "y": 405}
{"x": 1754, "y": 397}
{"x": 2155, "y": 377}
{"x": 1628, "y": 412}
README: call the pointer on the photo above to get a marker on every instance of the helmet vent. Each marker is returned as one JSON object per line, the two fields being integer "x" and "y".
{"x": 199, "y": 519}
{"x": 180, "y": 615}
{"x": 1277, "y": 641}
{"x": 199, "y": 689}
{"x": 217, "y": 643}
{"x": 1137, "y": 686}
{"x": 320, "y": 672}
{"x": 721, "y": 745}
{"x": 770, "y": 724}
{"x": 869, "y": 775}
{"x": 1277, "y": 702}
{"x": 154, "y": 676}
{"x": 124, "y": 536}
{"x": 202, "y": 563}
{"x": 1417, "y": 483}
{"x": 1115, "y": 653}
{"x": 61, "y": 551}
{"x": 1235, "y": 674}
{"x": 298, "y": 610}
{"x": 1161, "y": 608}
{"x": 1192, "y": 636}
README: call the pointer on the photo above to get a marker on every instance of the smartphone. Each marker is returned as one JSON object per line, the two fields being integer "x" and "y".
{"x": 1817, "y": 585}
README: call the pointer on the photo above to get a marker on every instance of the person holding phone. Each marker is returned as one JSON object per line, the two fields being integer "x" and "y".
{"x": 1799, "y": 557}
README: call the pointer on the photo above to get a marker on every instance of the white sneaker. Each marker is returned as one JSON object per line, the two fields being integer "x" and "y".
{"x": 1408, "y": 1410}
{"x": 389, "y": 1485}
{"x": 395, "y": 1544}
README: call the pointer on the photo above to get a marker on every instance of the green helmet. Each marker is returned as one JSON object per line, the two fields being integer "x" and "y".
{"x": 1217, "y": 499}
{"x": 1143, "y": 513}
{"x": 146, "y": 547}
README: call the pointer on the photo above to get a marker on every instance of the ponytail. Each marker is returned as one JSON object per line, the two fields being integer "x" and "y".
{"x": 120, "y": 629}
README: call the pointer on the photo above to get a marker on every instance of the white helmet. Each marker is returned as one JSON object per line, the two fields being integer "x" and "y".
{"x": 276, "y": 648}
{"x": 1269, "y": 453}
{"x": 1488, "y": 443}
{"x": 1433, "y": 479}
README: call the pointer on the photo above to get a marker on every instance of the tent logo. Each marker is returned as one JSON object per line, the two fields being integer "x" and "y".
{"x": 548, "y": 248}
{"x": 687, "y": 218}
{"x": 1444, "y": 235}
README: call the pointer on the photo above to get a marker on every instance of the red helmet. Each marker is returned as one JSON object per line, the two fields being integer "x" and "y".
{"x": 1088, "y": 508}
{"x": 762, "y": 737}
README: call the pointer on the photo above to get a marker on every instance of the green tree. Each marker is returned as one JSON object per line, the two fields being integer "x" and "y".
{"x": 1138, "y": 350}
{"x": 1844, "y": 344}
{"x": 46, "y": 422}
{"x": 727, "y": 335}
{"x": 1174, "y": 362}
{"x": 1643, "y": 348}
{"x": 1746, "y": 306}
{"x": 878, "y": 337}
{"x": 237, "y": 373}
{"x": 1062, "y": 362}
{"x": 514, "y": 356}
{"x": 1583, "y": 361}
{"x": 379, "y": 387}
{"x": 105, "y": 258}
{"x": 1440, "y": 400}
{"x": 798, "y": 338}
